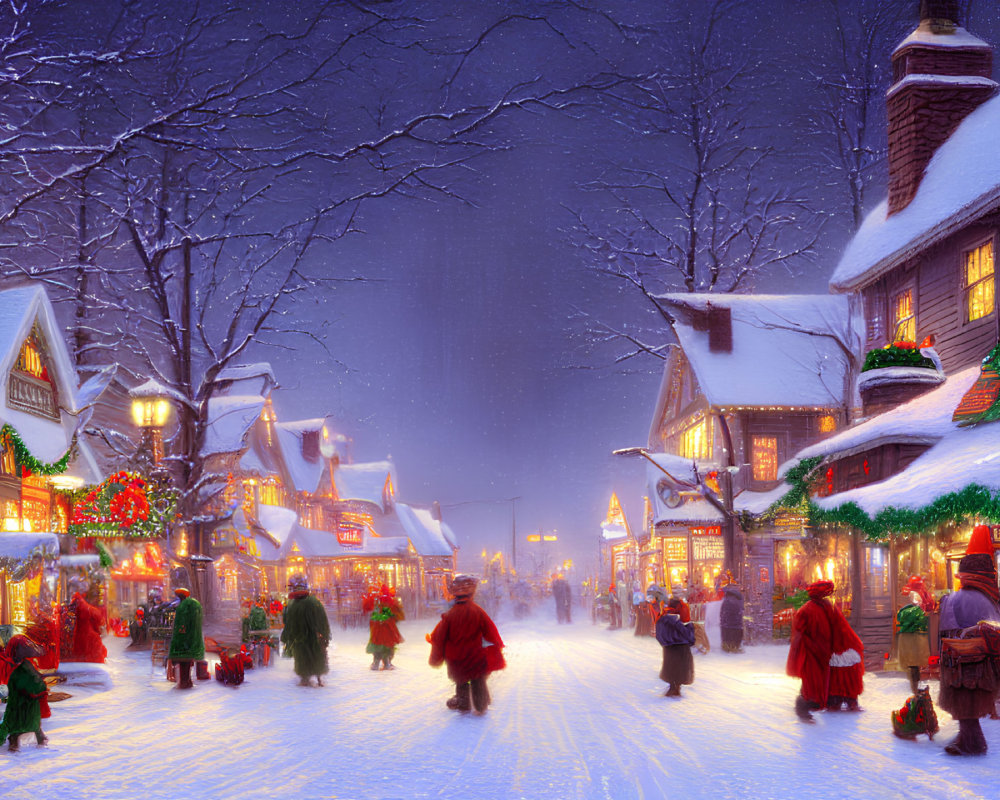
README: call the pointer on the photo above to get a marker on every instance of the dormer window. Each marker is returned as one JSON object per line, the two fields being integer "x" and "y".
{"x": 978, "y": 274}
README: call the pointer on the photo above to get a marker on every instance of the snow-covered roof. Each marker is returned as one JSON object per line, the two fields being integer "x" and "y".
{"x": 960, "y": 184}
{"x": 239, "y": 372}
{"x": 305, "y": 474}
{"x": 20, "y": 545}
{"x": 20, "y": 307}
{"x": 230, "y": 419}
{"x": 246, "y": 379}
{"x": 795, "y": 336}
{"x": 278, "y": 521}
{"x": 364, "y": 481}
{"x": 425, "y": 533}
{"x": 926, "y": 36}
{"x": 923, "y": 420}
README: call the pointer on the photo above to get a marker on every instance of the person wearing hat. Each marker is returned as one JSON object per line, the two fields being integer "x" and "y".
{"x": 383, "y": 632}
{"x": 676, "y": 638}
{"x": 826, "y": 654}
{"x": 87, "y": 644}
{"x": 469, "y": 642}
{"x": 968, "y": 690}
{"x": 27, "y": 703}
{"x": 306, "y": 632}
{"x": 186, "y": 644}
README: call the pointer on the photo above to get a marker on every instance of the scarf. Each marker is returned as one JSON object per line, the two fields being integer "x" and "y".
{"x": 986, "y": 584}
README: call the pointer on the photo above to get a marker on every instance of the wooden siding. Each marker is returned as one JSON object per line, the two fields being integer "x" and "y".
{"x": 937, "y": 278}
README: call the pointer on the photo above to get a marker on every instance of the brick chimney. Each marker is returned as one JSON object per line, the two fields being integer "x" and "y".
{"x": 941, "y": 73}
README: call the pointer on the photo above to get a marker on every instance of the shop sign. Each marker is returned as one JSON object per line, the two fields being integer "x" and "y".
{"x": 707, "y": 548}
{"x": 790, "y": 524}
{"x": 350, "y": 536}
{"x": 711, "y": 530}
{"x": 28, "y": 394}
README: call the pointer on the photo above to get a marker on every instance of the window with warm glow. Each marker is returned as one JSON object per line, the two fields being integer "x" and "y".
{"x": 764, "y": 454}
{"x": 978, "y": 266}
{"x": 904, "y": 320}
{"x": 270, "y": 492}
{"x": 7, "y": 464}
{"x": 696, "y": 442}
{"x": 827, "y": 424}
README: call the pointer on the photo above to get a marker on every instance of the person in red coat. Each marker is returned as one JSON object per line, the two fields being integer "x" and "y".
{"x": 826, "y": 654}
{"x": 383, "y": 631}
{"x": 87, "y": 644}
{"x": 469, "y": 643}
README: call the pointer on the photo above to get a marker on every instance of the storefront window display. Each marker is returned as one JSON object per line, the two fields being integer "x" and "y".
{"x": 799, "y": 562}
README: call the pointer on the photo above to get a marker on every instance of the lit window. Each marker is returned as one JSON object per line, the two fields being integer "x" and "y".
{"x": 270, "y": 493}
{"x": 765, "y": 458}
{"x": 903, "y": 319}
{"x": 827, "y": 424}
{"x": 696, "y": 442}
{"x": 979, "y": 282}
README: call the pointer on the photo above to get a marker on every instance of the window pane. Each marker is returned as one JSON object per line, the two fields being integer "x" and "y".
{"x": 765, "y": 458}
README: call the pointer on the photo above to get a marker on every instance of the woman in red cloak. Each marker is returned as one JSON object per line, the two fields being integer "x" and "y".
{"x": 468, "y": 641}
{"x": 826, "y": 654}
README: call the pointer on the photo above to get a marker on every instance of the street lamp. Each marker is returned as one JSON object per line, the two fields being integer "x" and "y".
{"x": 151, "y": 409}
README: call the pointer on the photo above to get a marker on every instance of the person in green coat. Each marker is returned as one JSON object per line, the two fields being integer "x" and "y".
{"x": 26, "y": 694}
{"x": 306, "y": 632}
{"x": 187, "y": 645}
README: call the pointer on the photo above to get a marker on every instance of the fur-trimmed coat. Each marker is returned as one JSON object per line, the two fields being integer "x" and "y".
{"x": 825, "y": 653}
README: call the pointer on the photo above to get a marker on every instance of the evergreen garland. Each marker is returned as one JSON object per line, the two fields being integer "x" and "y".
{"x": 971, "y": 502}
{"x": 893, "y": 356}
{"x": 23, "y": 457}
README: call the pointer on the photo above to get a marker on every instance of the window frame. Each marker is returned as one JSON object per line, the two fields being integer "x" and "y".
{"x": 966, "y": 287}
{"x": 894, "y": 322}
{"x": 754, "y": 449}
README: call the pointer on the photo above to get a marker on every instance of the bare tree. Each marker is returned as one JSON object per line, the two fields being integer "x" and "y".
{"x": 697, "y": 206}
{"x": 182, "y": 180}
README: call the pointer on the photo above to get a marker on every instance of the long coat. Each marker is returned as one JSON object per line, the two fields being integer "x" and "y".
{"x": 731, "y": 609}
{"x": 306, "y": 635}
{"x": 187, "y": 643}
{"x": 460, "y": 640}
{"x": 87, "y": 644}
{"x": 383, "y": 632}
{"x": 676, "y": 638}
{"x": 968, "y": 691}
{"x": 24, "y": 710}
{"x": 810, "y": 651}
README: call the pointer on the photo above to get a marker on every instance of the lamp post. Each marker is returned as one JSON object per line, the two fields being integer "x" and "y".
{"x": 723, "y": 503}
{"x": 151, "y": 411}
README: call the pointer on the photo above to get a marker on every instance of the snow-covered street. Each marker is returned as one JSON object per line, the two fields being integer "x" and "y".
{"x": 579, "y": 713}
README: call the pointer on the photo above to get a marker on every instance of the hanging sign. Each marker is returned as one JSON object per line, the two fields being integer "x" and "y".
{"x": 350, "y": 536}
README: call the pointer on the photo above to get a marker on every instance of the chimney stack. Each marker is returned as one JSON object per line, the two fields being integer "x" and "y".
{"x": 941, "y": 73}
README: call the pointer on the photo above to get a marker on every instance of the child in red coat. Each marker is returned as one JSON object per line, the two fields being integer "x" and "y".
{"x": 468, "y": 641}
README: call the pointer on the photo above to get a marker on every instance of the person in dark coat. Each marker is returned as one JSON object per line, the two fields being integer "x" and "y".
{"x": 731, "y": 619}
{"x": 676, "y": 638}
{"x": 187, "y": 644}
{"x": 306, "y": 632}
{"x": 469, "y": 643}
{"x": 969, "y": 690}
{"x": 27, "y": 701}
{"x": 561, "y": 595}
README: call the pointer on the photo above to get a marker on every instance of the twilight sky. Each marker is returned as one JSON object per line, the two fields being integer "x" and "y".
{"x": 464, "y": 361}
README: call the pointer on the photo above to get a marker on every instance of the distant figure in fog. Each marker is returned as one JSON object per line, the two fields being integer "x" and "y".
{"x": 731, "y": 619}
{"x": 561, "y": 595}
{"x": 676, "y": 638}
{"x": 469, "y": 643}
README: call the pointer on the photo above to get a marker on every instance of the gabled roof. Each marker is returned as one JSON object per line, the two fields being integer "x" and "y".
{"x": 230, "y": 418}
{"x": 960, "y": 184}
{"x": 20, "y": 308}
{"x": 793, "y": 338}
{"x": 305, "y": 474}
{"x": 247, "y": 379}
{"x": 425, "y": 533}
{"x": 365, "y": 481}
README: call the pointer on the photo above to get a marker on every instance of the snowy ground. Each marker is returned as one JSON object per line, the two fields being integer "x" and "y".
{"x": 579, "y": 713}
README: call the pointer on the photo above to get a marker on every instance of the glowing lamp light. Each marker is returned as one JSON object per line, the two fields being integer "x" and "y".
{"x": 150, "y": 405}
